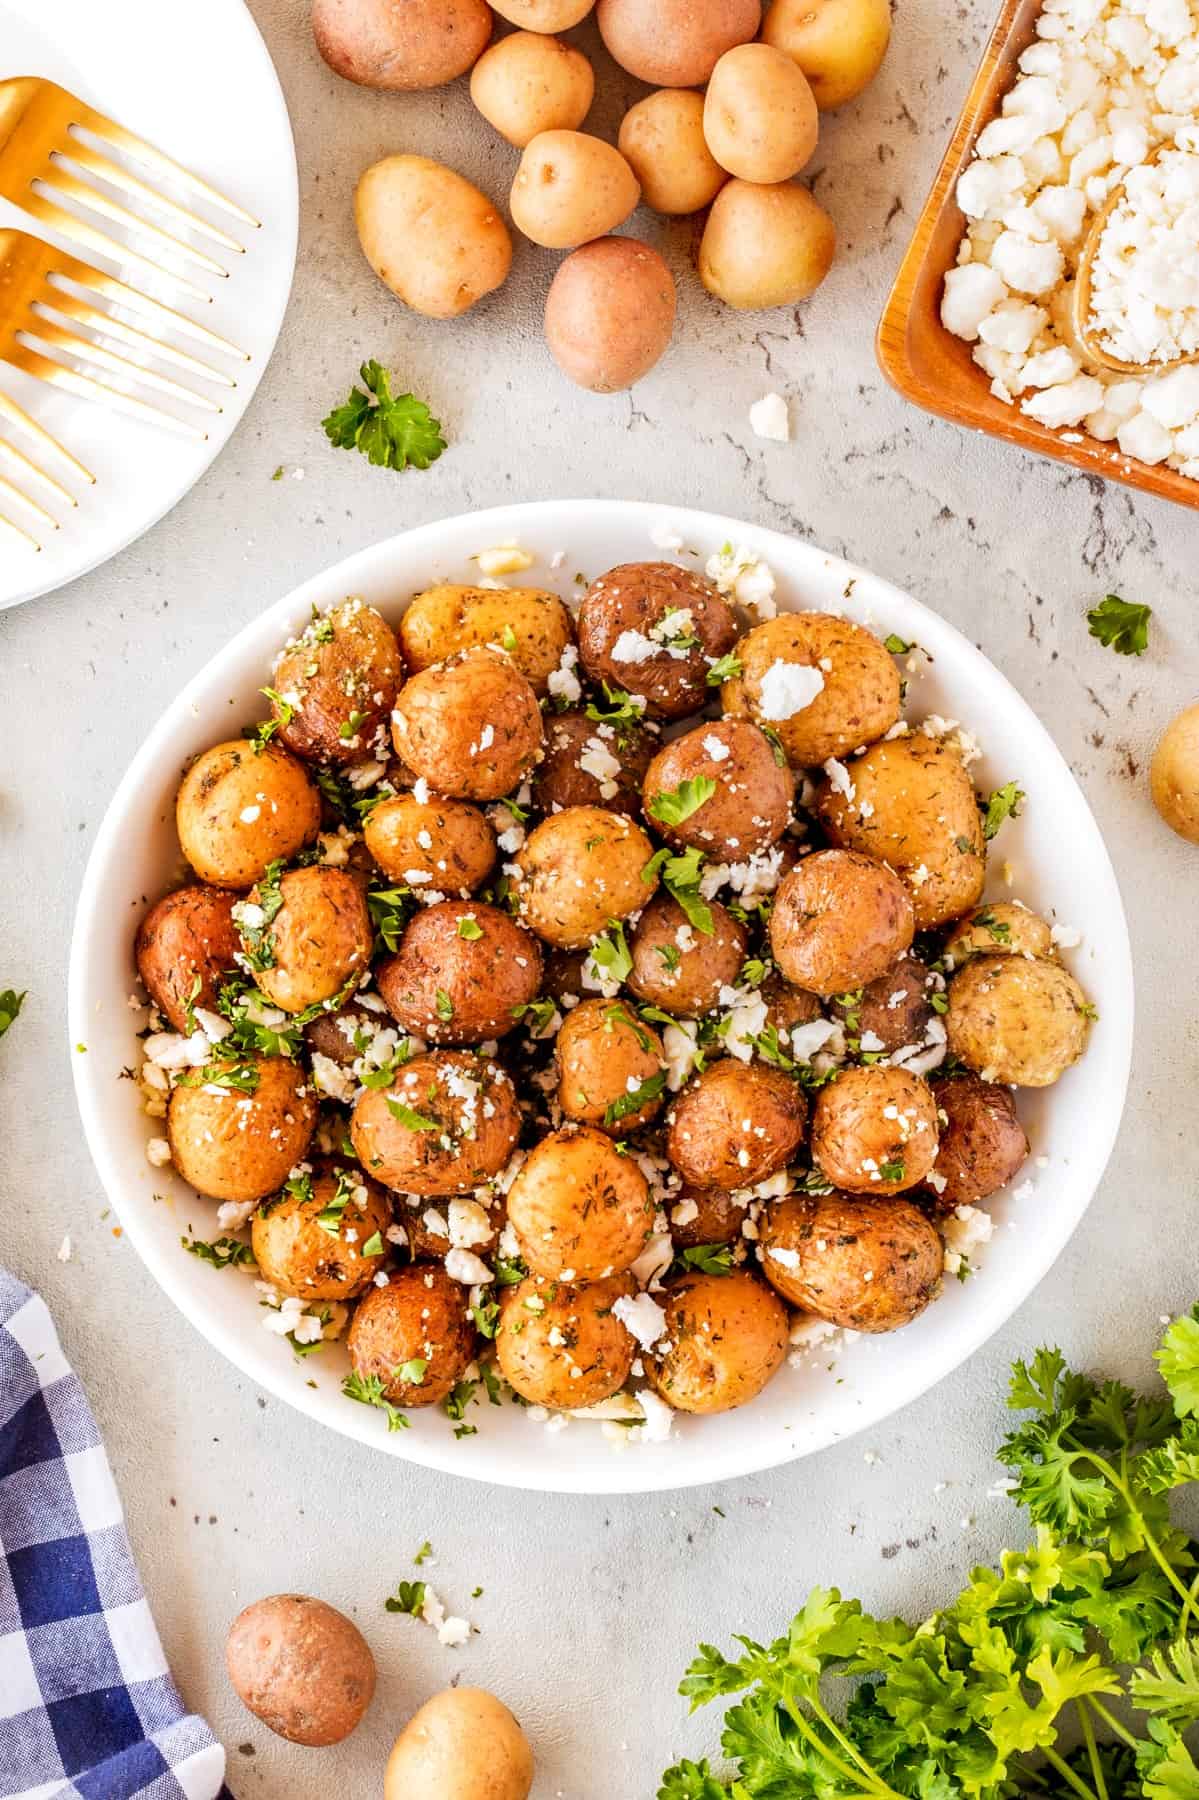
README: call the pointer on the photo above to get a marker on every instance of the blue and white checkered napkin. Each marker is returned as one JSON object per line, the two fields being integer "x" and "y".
{"x": 87, "y": 1707}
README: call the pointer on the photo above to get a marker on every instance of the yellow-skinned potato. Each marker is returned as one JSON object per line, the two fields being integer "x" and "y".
{"x": 606, "y": 1059}
{"x": 760, "y": 120}
{"x": 1174, "y": 774}
{"x": 998, "y": 927}
{"x": 299, "y": 1256}
{"x": 580, "y": 869}
{"x": 581, "y": 1210}
{"x": 471, "y": 726}
{"x": 675, "y": 43}
{"x": 528, "y": 83}
{"x": 1015, "y": 1021}
{"x": 839, "y": 44}
{"x": 430, "y": 236}
{"x": 449, "y": 843}
{"x": 571, "y": 187}
{"x": 239, "y": 809}
{"x": 237, "y": 1133}
{"x": 312, "y": 931}
{"x": 418, "y": 45}
{"x": 765, "y": 246}
{"x": 727, "y": 1336}
{"x": 529, "y": 625}
{"x": 858, "y": 698}
{"x": 865, "y": 1263}
{"x": 461, "y": 1745}
{"x": 662, "y": 140}
{"x": 609, "y": 314}
{"x": 561, "y": 1345}
{"x": 874, "y": 1130}
{"x": 543, "y": 15}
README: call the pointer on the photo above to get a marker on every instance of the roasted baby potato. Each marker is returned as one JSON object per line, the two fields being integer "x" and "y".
{"x": 874, "y": 1130}
{"x": 421, "y": 44}
{"x": 529, "y": 83}
{"x": 526, "y": 624}
{"x": 300, "y": 1667}
{"x": 654, "y": 631}
{"x": 185, "y": 945}
{"x": 415, "y": 1336}
{"x": 443, "y": 846}
{"x": 561, "y": 1345}
{"x": 760, "y": 119}
{"x": 242, "y": 807}
{"x": 591, "y": 764}
{"x": 891, "y": 1011}
{"x": 863, "y": 1264}
{"x": 462, "y": 973}
{"x": 1015, "y": 1020}
{"x": 788, "y": 1006}
{"x": 471, "y": 726}
{"x": 998, "y": 926}
{"x": 433, "y": 1230}
{"x": 840, "y": 920}
{"x": 610, "y": 1067}
{"x": 734, "y": 1125}
{"x": 727, "y": 1335}
{"x": 352, "y": 1030}
{"x": 721, "y": 789}
{"x": 705, "y": 1216}
{"x": 430, "y": 236}
{"x": 581, "y": 1210}
{"x": 305, "y": 935}
{"x": 609, "y": 314}
{"x": 310, "y": 1240}
{"x": 447, "y": 1124}
{"x": 570, "y": 188}
{"x": 983, "y": 1144}
{"x": 662, "y": 139}
{"x": 335, "y": 685}
{"x": 839, "y": 44}
{"x": 765, "y": 246}
{"x": 674, "y": 43}
{"x": 849, "y": 697}
{"x": 580, "y": 870}
{"x": 238, "y": 1127}
{"x": 678, "y": 968}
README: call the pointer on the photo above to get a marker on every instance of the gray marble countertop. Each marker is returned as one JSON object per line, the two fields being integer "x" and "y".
{"x": 590, "y": 1609}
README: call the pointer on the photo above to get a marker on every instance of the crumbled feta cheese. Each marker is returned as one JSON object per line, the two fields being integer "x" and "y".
{"x": 158, "y": 1153}
{"x": 642, "y": 1317}
{"x": 665, "y": 535}
{"x": 964, "y": 1232}
{"x": 465, "y": 1266}
{"x": 768, "y": 419}
{"x": 788, "y": 688}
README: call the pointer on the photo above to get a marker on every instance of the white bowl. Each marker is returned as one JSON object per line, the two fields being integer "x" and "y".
{"x": 1061, "y": 868}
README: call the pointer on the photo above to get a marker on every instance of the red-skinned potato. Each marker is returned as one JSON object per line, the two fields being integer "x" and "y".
{"x": 675, "y": 43}
{"x": 187, "y": 936}
{"x": 839, "y": 920}
{"x": 609, "y": 314}
{"x": 421, "y": 44}
{"x": 300, "y": 1667}
{"x": 415, "y": 1335}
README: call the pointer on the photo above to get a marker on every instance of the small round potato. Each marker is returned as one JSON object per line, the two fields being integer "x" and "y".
{"x": 998, "y": 927}
{"x": 581, "y": 1210}
{"x": 983, "y": 1144}
{"x": 727, "y": 1336}
{"x": 580, "y": 870}
{"x": 462, "y": 1744}
{"x": 1017, "y": 1021}
{"x": 416, "y": 1334}
{"x": 678, "y": 968}
{"x": 187, "y": 937}
{"x": 462, "y": 971}
{"x": 1174, "y": 774}
{"x": 471, "y": 726}
{"x": 430, "y": 235}
{"x": 788, "y": 1006}
{"x": 543, "y": 15}
{"x": 238, "y": 1128}
{"x": 609, "y": 314}
{"x": 336, "y": 683}
{"x": 528, "y": 83}
{"x": 749, "y": 802}
{"x": 840, "y": 920}
{"x": 765, "y": 246}
{"x": 447, "y": 1124}
{"x": 421, "y": 44}
{"x": 734, "y": 1125}
{"x": 301, "y": 1668}
{"x": 863, "y": 1264}
{"x": 891, "y": 1011}
{"x": 445, "y": 845}
{"x": 662, "y": 140}
{"x": 760, "y": 120}
{"x": 430, "y": 1234}
{"x": 875, "y": 1130}
{"x": 563, "y": 977}
{"x": 655, "y": 630}
{"x": 563, "y": 1346}
{"x": 353, "y": 1030}
{"x": 529, "y": 625}
{"x": 839, "y": 44}
{"x": 592, "y": 764}
{"x": 675, "y": 43}
{"x": 240, "y": 808}
{"x": 312, "y": 1243}
{"x": 571, "y": 187}
{"x": 857, "y": 699}
{"x": 705, "y": 1216}
{"x": 310, "y": 933}
{"x": 610, "y": 1067}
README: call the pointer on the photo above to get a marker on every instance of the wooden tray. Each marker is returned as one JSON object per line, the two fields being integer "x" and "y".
{"x": 926, "y": 362}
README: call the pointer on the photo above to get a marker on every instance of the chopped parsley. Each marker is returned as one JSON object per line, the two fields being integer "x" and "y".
{"x": 1121, "y": 625}
{"x": 1005, "y": 803}
{"x": 412, "y": 1373}
{"x": 611, "y": 954}
{"x": 707, "y": 1259}
{"x": 388, "y": 908}
{"x": 330, "y": 1217}
{"x": 243, "y": 1077}
{"x": 675, "y": 805}
{"x": 258, "y": 943}
{"x": 896, "y": 645}
{"x": 410, "y": 1118}
{"x": 443, "y": 1005}
{"x": 370, "y": 1390}
{"x": 725, "y": 668}
{"x": 223, "y": 1253}
{"x": 373, "y": 1245}
{"x": 628, "y": 1103}
{"x": 891, "y": 1171}
{"x": 537, "y": 1014}
{"x": 423, "y": 1554}
{"x": 469, "y": 928}
{"x": 409, "y": 1598}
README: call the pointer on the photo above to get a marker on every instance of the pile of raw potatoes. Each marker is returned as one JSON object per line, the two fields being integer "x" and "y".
{"x": 440, "y": 245}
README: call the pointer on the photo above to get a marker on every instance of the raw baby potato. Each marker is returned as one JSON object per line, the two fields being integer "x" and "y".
{"x": 530, "y": 625}
{"x": 675, "y": 43}
{"x": 765, "y": 246}
{"x": 420, "y": 44}
{"x": 571, "y": 187}
{"x": 543, "y": 15}
{"x": 662, "y": 140}
{"x": 760, "y": 120}
{"x": 839, "y": 44}
{"x": 1174, "y": 774}
{"x": 432, "y": 238}
{"x": 463, "y": 1744}
{"x": 609, "y": 314}
{"x": 301, "y": 1667}
{"x": 240, "y": 808}
{"x": 528, "y": 83}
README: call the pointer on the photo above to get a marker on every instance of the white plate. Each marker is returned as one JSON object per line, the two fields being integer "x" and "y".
{"x": 197, "y": 82}
{"x": 1061, "y": 865}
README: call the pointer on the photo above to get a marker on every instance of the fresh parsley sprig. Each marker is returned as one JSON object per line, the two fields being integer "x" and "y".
{"x": 1121, "y": 625}
{"x": 390, "y": 432}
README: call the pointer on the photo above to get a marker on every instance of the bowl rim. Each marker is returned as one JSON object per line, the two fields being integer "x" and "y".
{"x": 649, "y": 1468}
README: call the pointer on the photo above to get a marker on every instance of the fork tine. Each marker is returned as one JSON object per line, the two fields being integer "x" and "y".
{"x": 81, "y": 232}
{"x": 138, "y": 147}
{"x": 117, "y": 176}
{"x": 30, "y": 543}
{"x": 45, "y": 331}
{"x": 74, "y": 308}
{"x": 16, "y": 415}
{"x": 82, "y": 191}
{"x": 44, "y": 368}
{"x": 163, "y": 317}
{"x": 39, "y": 474}
{"x": 15, "y": 493}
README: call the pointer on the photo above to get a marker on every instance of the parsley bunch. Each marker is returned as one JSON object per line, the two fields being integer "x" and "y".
{"x": 1070, "y": 1672}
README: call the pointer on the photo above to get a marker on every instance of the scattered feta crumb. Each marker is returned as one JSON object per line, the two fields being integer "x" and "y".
{"x": 768, "y": 419}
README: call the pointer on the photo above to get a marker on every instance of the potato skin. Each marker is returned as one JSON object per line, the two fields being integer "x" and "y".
{"x": 234, "y": 1145}
{"x": 528, "y": 83}
{"x": 718, "y": 1219}
{"x": 998, "y": 927}
{"x": 925, "y": 817}
{"x": 863, "y": 1264}
{"x": 786, "y": 1005}
{"x": 894, "y": 1008}
{"x": 330, "y": 683}
{"x": 1174, "y": 774}
{"x": 320, "y": 937}
{"x": 706, "y": 1135}
{"x": 686, "y": 982}
{"x": 571, "y": 187}
{"x": 983, "y": 1144}
{"x": 662, "y": 140}
{"x": 225, "y": 848}
{"x": 443, "y": 716}
{"x": 760, "y": 119}
{"x": 559, "y": 781}
{"x": 421, "y": 44}
{"x": 484, "y": 979}
{"x": 430, "y": 235}
{"x": 860, "y": 699}
{"x": 186, "y": 934}
{"x": 577, "y": 1204}
{"x": 609, "y": 314}
{"x": 298, "y": 1256}
{"x": 765, "y": 246}
{"x": 601, "y": 1047}
{"x": 839, "y": 44}
{"x": 636, "y": 597}
{"x": 471, "y": 1100}
{"x": 462, "y": 1744}
{"x": 543, "y": 15}
{"x": 752, "y": 803}
{"x": 579, "y": 869}
{"x": 1017, "y": 1021}
{"x": 301, "y": 1667}
{"x": 727, "y": 1336}
{"x": 450, "y": 618}
{"x": 674, "y": 43}
{"x": 874, "y": 1130}
{"x": 333, "y": 1034}
{"x": 840, "y": 920}
{"x": 463, "y": 849}
{"x": 421, "y": 1315}
{"x": 541, "y": 1351}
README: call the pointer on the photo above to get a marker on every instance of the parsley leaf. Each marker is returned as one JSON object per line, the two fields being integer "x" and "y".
{"x": 1004, "y": 803}
{"x": 611, "y": 954}
{"x": 391, "y": 433}
{"x": 409, "y": 1597}
{"x": 1121, "y": 625}
{"x": 410, "y": 1118}
{"x": 223, "y": 1253}
{"x": 1178, "y": 1360}
{"x": 672, "y": 806}
{"x": 643, "y": 1095}
{"x": 10, "y": 1005}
